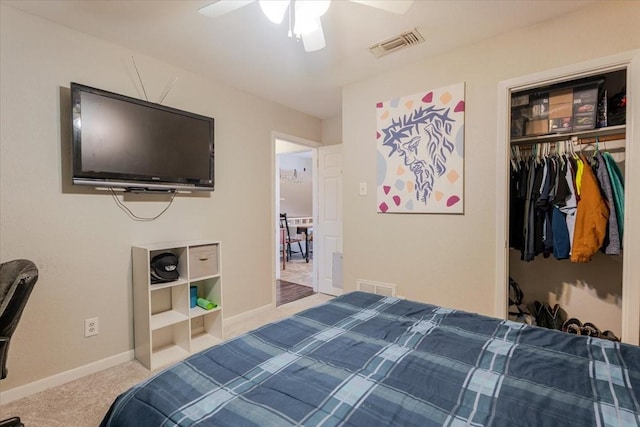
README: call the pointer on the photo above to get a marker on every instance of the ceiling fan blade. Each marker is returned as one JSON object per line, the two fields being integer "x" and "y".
{"x": 314, "y": 40}
{"x": 222, "y": 7}
{"x": 395, "y": 6}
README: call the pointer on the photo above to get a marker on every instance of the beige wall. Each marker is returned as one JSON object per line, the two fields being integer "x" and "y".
{"x": 296, "y": 196}
{"x": 450, "y": 260}
{"x": 81, "y": 241}
{"x": 332, "y": 130}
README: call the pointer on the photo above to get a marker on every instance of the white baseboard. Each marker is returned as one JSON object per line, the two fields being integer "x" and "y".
{"x": 64, "y": 377}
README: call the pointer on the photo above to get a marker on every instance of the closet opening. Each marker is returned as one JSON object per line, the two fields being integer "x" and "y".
{"x": 566, "y": 180}
{"x": 556, "y": 127}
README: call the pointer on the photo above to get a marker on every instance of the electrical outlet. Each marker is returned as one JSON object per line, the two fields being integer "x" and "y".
{"x": 90, "y": 327}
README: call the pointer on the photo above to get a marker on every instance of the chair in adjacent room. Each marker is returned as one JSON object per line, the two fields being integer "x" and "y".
{"x": 17, "y": 279}
{"x": 284, "y": 224}
{"x": 283, "y": 249}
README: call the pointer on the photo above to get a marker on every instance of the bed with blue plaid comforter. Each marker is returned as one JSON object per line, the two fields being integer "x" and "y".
{"x": 367, "y": 360}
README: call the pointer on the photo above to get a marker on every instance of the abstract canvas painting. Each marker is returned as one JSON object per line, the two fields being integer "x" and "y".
{"x": 420, "y": 142}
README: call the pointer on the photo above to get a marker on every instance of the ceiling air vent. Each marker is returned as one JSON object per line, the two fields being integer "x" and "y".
{"x": 404, "y": 40}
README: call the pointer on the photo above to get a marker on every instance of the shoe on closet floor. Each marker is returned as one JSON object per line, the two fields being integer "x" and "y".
{"x": 591, "y": 330}
{"x": 539, "y": 309}
{"x": 609, "y": 336}
{"x": 572, "y": 326}
{"x": 555, "y": 317}
{"x": 549, "y": 317}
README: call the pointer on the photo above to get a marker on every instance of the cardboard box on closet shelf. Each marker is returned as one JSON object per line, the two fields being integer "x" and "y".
{"x": 537, "y": 127}
{"x": 561, "y": 96}
{"x": 561, "y": 110}
{"x": 561, "y": 104}
{"x": 585, "y": 101}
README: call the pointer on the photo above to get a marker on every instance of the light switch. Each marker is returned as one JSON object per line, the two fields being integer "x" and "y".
{"x": 363, "y": 188}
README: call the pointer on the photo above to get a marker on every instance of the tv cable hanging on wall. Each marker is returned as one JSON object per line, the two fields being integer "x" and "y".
{"x": 135, "y": 217}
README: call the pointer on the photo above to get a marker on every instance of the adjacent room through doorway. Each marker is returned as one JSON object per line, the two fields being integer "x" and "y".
{"x": 295, "y": 208}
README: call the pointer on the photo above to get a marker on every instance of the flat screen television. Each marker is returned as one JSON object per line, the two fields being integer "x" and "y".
{"x": 123, "y": 142}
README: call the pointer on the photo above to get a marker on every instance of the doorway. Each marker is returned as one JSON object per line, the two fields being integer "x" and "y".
{"x": 295, "y": 196}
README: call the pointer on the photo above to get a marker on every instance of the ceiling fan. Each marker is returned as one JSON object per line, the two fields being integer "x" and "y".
{"x": 304, "y": 15}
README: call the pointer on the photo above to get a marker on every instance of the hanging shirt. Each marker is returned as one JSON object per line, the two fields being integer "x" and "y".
{"x": 561, "y": 238}
{"x": 544, "y": 205}
{"x": 562, "y": 192}
{"x": 571, "y": 204}
{"x": 591, "y": 218}
{"x": 612, "y": 240}
{"x": 578, "y": 177}
{"x": 516, "y": 205}
{"x": 617, "y": 183}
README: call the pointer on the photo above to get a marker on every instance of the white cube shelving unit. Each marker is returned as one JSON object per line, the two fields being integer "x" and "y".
{"x": 166, "y": 328}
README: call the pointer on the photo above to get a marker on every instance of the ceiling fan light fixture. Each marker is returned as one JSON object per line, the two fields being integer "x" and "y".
{"x": 274, "y": 10}
{"x": 307, "y": 15}
{"x": 311, "y": 8}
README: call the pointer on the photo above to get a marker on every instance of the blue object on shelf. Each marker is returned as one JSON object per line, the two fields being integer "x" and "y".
{"x": 194, "y": 295}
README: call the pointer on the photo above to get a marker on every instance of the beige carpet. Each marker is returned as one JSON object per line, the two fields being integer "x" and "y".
{"x": 83, "y": 403}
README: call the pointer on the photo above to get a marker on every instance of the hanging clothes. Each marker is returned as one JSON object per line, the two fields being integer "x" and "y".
{"x": 563, "y": 205}
{"x": 617, "y": 182}
{"x": 517, "y": 196}
{"x": 578, "y": 175}
{"x": 612, "y": 244}
{"x": 534, "y": 220}
{"x": 563, "y": 202}
{"x": 544, "y": 204}
{"x": 591, "y": 218}
{"x": 571, "y": 204}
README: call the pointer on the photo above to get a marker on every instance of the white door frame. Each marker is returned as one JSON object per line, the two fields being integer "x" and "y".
{"x": 275, "y": 202}
{"x": 631, "y": 270}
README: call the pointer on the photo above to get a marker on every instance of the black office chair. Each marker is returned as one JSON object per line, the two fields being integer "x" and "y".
{"x": 284, "y": 223}
{"x": 17, "y": 278}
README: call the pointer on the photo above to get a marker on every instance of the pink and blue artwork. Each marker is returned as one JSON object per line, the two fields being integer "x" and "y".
{"x": 420, "y": 142}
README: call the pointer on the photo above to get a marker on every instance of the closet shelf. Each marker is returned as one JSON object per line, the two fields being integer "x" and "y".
{"x": 584, "y": 137}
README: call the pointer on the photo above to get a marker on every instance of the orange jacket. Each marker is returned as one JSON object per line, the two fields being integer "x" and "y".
{"x": 591, "y": 218}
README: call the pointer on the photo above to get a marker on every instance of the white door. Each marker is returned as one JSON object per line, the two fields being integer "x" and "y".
{"x": 328, "y": 228}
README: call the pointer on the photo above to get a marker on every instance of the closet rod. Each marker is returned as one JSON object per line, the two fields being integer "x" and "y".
{"x": 585, "y": 134}
{"x": 604, "y": 138}
{"x": 616, "y": 143}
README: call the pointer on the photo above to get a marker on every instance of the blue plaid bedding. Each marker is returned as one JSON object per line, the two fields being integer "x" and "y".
{"x": 367, "y": 360}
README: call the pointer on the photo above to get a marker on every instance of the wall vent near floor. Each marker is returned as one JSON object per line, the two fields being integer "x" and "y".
{"x": 386, "y": 289}
{"x": 404, "y": 40}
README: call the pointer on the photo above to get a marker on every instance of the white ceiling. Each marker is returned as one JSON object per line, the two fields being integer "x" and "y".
{"x": 245, "y": 50}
